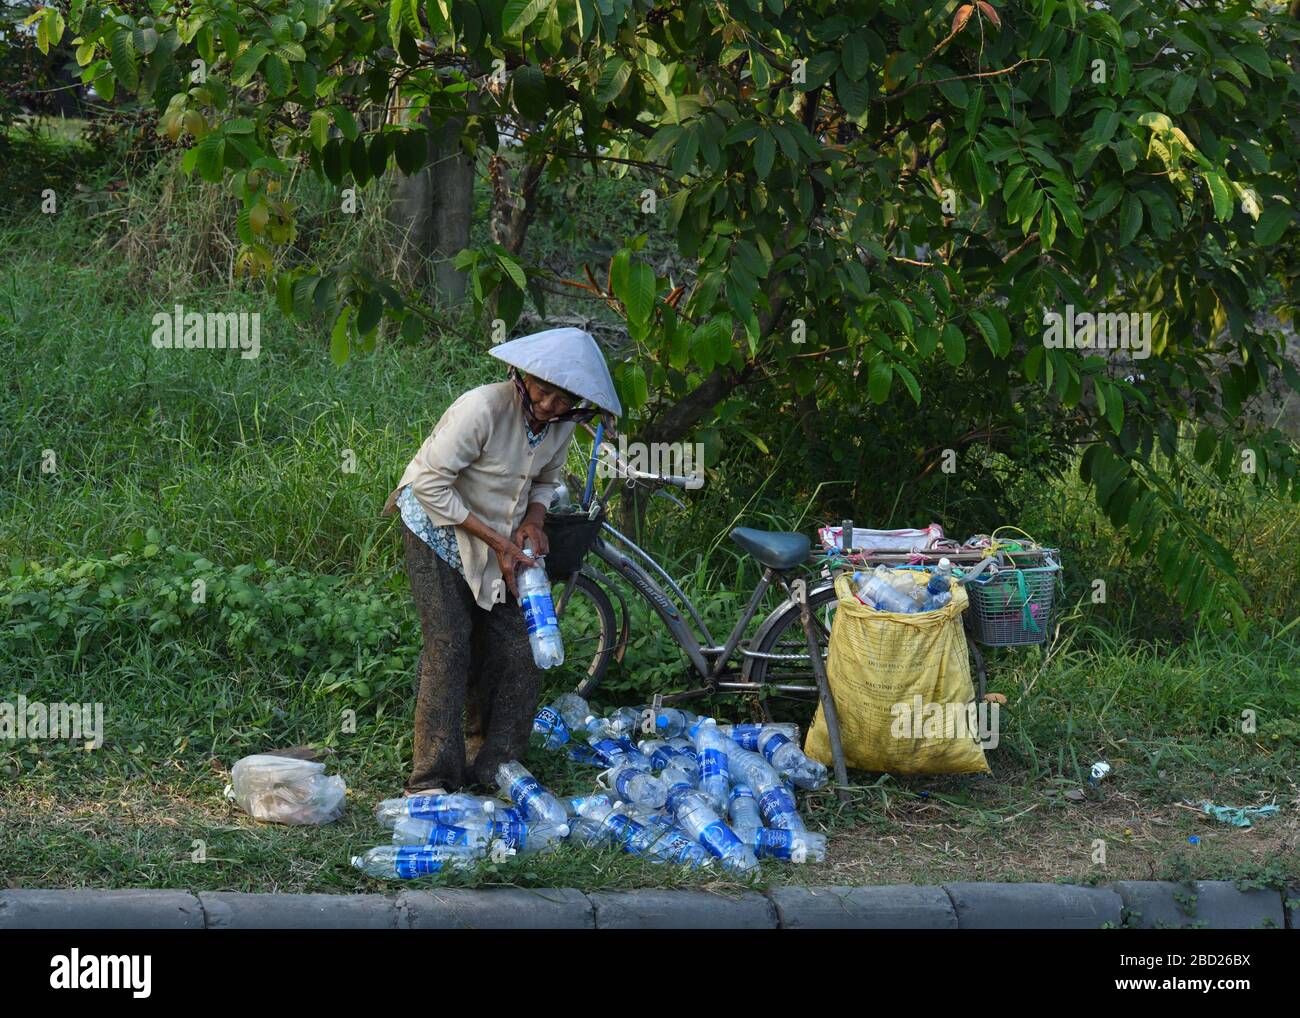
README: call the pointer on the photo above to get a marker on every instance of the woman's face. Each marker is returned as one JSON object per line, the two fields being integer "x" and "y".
{"x": 548, "y": 401}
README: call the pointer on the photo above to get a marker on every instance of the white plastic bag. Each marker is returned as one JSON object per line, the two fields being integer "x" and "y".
{"x": 901, "y": 541}
{"x": 285, "y": 790}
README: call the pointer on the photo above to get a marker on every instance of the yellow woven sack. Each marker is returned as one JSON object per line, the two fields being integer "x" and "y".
{"x": 902, "y": 689}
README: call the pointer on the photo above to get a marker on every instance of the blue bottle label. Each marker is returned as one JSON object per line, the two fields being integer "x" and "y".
{"x": 445, "y": 834}
{"x": 717, "y": 838}
{"x": 746, "y": 736}
{"x": 583, "y": 753}
{"x": 661, "y": 758}
{"x": 714, "y": 765}
{"x": 623, "y": 780}
{"x": 524, "y": 790}
{"x": 607, "y": 751}
{"x": 551, "y": 725}
{"x": 415, "y": 861}
{"x": 424, "y": 807}
{"x": 512, "y": 832}
{"x": 740, "y": 792}
{"x": 539, "y": 612}
{"x": 775, "y": 803}
{"x": 773, "y": 744}
{"x": 509, "y": 815}
{"x": 624, "y": 827}
{"x": 773, "y": 843}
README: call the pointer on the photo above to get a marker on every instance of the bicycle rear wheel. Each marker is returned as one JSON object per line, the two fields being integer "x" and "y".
{"x": 787, "y": 662}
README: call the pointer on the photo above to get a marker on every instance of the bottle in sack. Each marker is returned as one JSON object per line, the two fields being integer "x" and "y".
{"x": 445, "y": 808}
{"x": 403, "y": 862}
{"x": 539, "y": 614}
{"x": 711, "y": 747}
{"x": 526, "y": 792}
{"x": 792, "y": 846}
{"x": 878, "y": 593}
{"x": 939, "y": 589}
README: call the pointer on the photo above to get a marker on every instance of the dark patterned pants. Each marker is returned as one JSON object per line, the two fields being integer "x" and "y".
{"x": 476, "y": 670}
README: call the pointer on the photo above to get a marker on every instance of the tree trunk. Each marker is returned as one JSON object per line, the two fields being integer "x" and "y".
{"x": 434, "y": 208}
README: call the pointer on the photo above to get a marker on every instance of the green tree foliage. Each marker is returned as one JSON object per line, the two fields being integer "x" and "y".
{"x": 863, "y": 190}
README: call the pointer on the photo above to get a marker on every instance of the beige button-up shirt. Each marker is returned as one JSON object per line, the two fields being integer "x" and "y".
{"x": 477, "y": 460}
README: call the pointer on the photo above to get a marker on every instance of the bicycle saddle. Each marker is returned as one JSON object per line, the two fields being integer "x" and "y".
{"x": 776, "y": 549}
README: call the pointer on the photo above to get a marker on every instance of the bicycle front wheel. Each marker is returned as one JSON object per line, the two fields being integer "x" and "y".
{"x": 589, "y": 631}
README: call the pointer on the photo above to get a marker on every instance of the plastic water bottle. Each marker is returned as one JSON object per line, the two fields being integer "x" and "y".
{"x": 444, "y": 808}
{"x": 409, "y": 831}
{"x": 746, "y": 736}
{"x": 686, "y": 748}
{"x": 635, "y": 786}
{"x": 793, "y": 846}
{"x": 677, "y": 781}
{"x": 879, "y": 593}
{"x": 539, "y": 614}
{"x": 775, "y": 802}
{"x": 616, "y": 752}
{"x": 789, "y": 759}
{"x": 938, "y": 590}
{"x": 528, "y": 838}
{"x": 518, "y": 785}
{"x": 403, "y": 862}
{"x": 623, "y": 721}
{"x": 584, "y": 754}
{"x": 715, "y": 775}
{"x": 577, "y": 804}
{"x": 670, "y": 721}
{"x": 697, "y": 818}
{"x": 742, "y": 809}
{"x": 661, "y": 754}
{"x": 556, "y": 722}
{"x": 589, "y": 833}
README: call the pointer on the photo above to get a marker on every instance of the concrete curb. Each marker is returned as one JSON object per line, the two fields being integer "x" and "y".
{"x": 1132, "y": 903}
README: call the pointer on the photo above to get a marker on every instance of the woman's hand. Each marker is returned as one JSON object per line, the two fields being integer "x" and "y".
{"x": 532, "y": 531}
{"x": 511, "y": 558}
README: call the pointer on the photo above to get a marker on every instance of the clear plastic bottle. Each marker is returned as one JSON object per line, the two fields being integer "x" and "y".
{"x": 746, "y": 736}
{"x": 590, "y": 833}
{"x": 444, "y": 808}
{"x": 539, "y": 614}
{"x": 939, "y": 589}
{"x": 409, "y": 831}
{"x": 518, "y": 785}
{"x": 659, "y": 753}
{"x": 774, "y": 801}
{"x": 677, "y": 781}
{"x": 686, "y": 748}
{"x": 671, "y": 721}
{"x": 715, "y": 775}
{"x": 555, "y": 723}
{"x": 742, "y": 809}
{"x": 881, "y": 594}
{"x": 635, "y": 786}
{"x": 623, "y": 721}
{"x": 793, "y": 846}
{"x": 789, "y": 759}
{"x": 528, "y": 838}
{"x": 616, "y": 752}
{"x": 696, "y": 816}
{"x": 403, "y": 862}
{"x": 577, "y": 804}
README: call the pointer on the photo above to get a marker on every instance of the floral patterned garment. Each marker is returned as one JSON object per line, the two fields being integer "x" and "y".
{"x": 443, "y": 539}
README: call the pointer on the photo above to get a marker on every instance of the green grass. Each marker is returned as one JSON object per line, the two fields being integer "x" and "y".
{"x": 199, "y": 464}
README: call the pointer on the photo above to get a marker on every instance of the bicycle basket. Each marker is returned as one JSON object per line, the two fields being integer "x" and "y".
{"x": 1015, "y": 607}
{"x": 570, "y": 536}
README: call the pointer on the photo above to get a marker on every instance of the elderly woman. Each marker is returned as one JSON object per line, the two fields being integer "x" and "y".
{"x": 474, "y": 494}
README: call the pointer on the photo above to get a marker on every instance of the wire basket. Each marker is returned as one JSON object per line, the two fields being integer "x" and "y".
{"x": 570, "y": 536}
{"x": 1015, "y": 607}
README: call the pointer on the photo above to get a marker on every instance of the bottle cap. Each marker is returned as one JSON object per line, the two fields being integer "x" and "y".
{"x": 489, "y": 805}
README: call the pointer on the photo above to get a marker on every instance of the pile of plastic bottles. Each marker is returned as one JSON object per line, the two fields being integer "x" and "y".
{"x": 905, "y": 590}
{"x": 692, "y": 792}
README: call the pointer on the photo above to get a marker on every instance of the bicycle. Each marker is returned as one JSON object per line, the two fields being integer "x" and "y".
{"x": 776, "y": 660}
